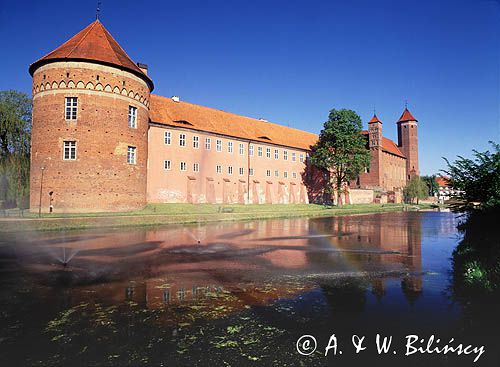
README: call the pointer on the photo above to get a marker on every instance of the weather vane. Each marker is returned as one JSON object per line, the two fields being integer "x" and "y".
{"x": 98, "y": 10}
{"x": 406, "y": 103}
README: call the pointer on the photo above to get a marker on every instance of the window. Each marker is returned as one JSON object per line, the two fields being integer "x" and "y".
{"x": 285, "y": 174}
{"x": 301, "y": 157}
{"x": 183, "y": 166}
{"x": 218, "y": 144}
{"x": 268, "y": 152}
{"x": 250, "y": 172}
{"x": 294, "y": 156}
{"x": 71, "y": 108}
{"x": 276, "y": 173}
{"x": 230, "y": 147}
{"x": 208, "y": 143}
{"x": 294, "y": 174}
{"x": 259, "y": 151}
{"x": 167, "y": 165}
{"x": 230, "y": 170}
{"x": 131, "y": 155}
{"x": 250, "y": 150}
{"x": 218, "y": 168}
{"x": 196, "y": 167}
{"x": 69, "y": 151}
{"x": 241, "y": 149}
{"x": 276, "y": 154}
{"x": 182, "y": 140}
{"x": 168, "y": 138}
{"x": 268, "y": 173}
{"x": 241, "y": 171}
{"x": 285, "y": 155}
{"x": 196, "y": 142}
{"x": 132, "y": 117}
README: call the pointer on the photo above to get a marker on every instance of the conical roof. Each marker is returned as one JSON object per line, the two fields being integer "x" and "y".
{"x": 374, "y": 119}
{"x": 95, "y": 44}
{"x": 406, "y": 116}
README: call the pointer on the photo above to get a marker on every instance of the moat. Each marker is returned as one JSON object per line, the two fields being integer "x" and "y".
{"x": 238, "y": 293}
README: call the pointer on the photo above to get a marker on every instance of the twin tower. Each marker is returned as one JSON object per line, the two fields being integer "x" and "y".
{"x": 90, "y": 126}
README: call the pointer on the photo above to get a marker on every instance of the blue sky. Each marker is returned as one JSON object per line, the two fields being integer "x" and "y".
{"x": 292, "y": 61}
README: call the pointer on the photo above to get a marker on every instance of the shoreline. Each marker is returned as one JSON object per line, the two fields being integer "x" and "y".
{"x": 150, "y": 217}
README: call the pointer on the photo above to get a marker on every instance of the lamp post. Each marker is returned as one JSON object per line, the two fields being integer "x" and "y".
{"x": 41, "y": 187}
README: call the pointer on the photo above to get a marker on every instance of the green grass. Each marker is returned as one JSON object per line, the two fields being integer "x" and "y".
{"x": 161, "y": 214}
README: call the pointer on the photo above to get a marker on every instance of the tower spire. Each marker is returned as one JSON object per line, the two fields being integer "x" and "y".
{"x": 98, "y": 10}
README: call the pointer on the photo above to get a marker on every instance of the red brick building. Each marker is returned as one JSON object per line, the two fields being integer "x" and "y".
{"x": 102, "y": 142}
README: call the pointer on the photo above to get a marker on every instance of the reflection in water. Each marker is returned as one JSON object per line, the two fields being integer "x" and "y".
{"x": 273, "y": 279}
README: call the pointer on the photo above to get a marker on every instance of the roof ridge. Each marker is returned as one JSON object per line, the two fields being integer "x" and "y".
{"x": 106, "y": 34}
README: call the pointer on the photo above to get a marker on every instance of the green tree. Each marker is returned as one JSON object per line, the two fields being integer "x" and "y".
{"x": 15, "y": 131}
{"x": 477, "y": 178}
{"x": 431, "y": 183}
{"x": 415, "y": 189}
{"x": 341, "y": 149}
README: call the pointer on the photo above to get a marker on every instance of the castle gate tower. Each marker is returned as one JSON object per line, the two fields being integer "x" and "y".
{"x": 90, "y": 126}
{"x": 408, "y": 142}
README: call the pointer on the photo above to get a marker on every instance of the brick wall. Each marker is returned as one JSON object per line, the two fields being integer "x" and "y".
{"x": 100, "y": 179}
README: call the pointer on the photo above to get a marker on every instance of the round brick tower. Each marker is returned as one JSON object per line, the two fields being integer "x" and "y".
{"x": 89, "y": 140}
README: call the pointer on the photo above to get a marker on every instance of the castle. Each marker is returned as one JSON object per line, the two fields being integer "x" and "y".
{"x": 102, "y": 142}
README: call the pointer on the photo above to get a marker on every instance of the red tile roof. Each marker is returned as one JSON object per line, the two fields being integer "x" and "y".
{"x": 374, "y": 119}
{"x": 406, "y": 116}
{"x": 93, "y": 43}
{"x": 182, "y": 114}
{"x": 442, "y": 181}
{"x": 388, "y": 146}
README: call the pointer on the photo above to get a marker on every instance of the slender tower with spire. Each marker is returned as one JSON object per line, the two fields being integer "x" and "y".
{"x": 375, "y": 145}
{"x": 408, "y": 142}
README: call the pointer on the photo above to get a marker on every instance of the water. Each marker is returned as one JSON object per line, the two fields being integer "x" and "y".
{"x": 239, "y": 293}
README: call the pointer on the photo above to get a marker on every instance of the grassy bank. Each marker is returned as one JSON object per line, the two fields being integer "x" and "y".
{"x": 161, "y": 214}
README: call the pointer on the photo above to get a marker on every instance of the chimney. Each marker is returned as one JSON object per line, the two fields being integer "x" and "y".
{"x": 176, "y": 98}
{"x": 143, "y": 67}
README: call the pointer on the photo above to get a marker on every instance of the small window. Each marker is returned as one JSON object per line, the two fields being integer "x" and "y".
{"x": 132, "y": 117}
{"x": 71, "y": 108}
{"x": 241, "y": 149}
{"x": 230, "y": 170}
{"x": 218, "y": 168}
{"x": 196, "y": 167}
{"x": 218, "y": 145}
{"x": 259, "y": 151}
{"x": 285, "y": 174}
{"x": 301, "y": 157}
{"x": 69, "y": 151}
{"x": 230, "y": 147}
{"x": 208, "y": 143}
{"x": 241, "y": 171}
{"x": 268, "y": 152}
{"x": 168, "y": 138}
{"x": 294, "y": 174}
{"x": 196, "y": 142}
{"x": 294, "y": 156}
{"x": 182, "y": 140}
{"x": 183, "y": 166}
{"x": 167, "y": 165}
{"x": 268, "y": 173}
{"x": 250, "y": 172}
{"x": 131, "y": 155}
{"x": 276, "y": 173}
{"x": 276, "y": 154}
{"x": 250, "y": 150}
{"x": 285, "y": 155}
